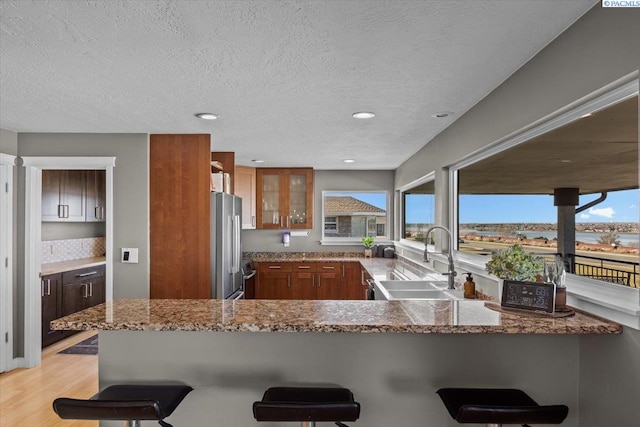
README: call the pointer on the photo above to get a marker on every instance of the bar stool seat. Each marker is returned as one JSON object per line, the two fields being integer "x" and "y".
{"x": 307, "y": 405}
{"x": 499, "y": 406}
{"x": 130, "y": 403}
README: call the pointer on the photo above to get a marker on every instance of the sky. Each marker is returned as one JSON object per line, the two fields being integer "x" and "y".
{"x": 620, "y": 206}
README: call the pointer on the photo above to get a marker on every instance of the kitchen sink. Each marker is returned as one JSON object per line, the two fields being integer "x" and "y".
{"x": 415, "y": 290}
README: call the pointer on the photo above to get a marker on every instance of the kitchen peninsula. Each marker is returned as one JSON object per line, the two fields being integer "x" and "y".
{"x": 392, "y": 354}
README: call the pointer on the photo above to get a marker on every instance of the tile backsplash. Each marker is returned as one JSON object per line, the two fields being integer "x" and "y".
{"x": 65, "y": 250}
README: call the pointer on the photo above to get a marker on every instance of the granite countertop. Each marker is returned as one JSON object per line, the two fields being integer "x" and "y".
{"x": 74, "y": 264}
{"x": 444, "y": 317}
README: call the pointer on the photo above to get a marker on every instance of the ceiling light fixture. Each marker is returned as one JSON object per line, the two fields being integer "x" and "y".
{"x": 257, "y": 161}
{"x": 207, "y": 116}
{"x": 442, "y": 114}
{"x": 363, "y": 115}
{"x": 349, "y": 161}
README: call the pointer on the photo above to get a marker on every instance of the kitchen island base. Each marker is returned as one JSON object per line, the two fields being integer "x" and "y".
{"x": 394, "y": 375}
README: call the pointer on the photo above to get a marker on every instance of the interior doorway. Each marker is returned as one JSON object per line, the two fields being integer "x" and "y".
{"x": 33, "y": 237}
{"x": 7, "y": 163}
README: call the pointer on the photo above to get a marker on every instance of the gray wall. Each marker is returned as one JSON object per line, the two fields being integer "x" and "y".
{"x": 130, "y": 189}
{"x": 610, "y": 380}
{"x": 598, "y": 49}
{"x": 271, "y": 240}
{"x": 602, "y": 47}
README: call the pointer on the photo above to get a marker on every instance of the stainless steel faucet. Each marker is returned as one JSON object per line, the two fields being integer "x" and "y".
{"x": 451, "y": 274}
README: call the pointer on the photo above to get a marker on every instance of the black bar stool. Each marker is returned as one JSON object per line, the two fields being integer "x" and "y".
{"x": 497, "y": 406}
{"x": 129, "y": 403}
{"x": 307, "y": 405}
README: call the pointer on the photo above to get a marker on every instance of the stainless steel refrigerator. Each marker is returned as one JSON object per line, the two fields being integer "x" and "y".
{"x": 226, "y": 246}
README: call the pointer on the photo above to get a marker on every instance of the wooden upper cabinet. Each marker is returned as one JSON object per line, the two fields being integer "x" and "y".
{"x": 63, "y": 195}
{"x": 284, "y": 198}
{"x": 228, "y": 161}
{"x": 180, "y": 215}
{"x": 96, "y": 195}
{"x": 245, "y": 187}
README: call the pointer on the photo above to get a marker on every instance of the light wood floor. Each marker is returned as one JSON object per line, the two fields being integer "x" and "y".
{"x": 26, "y": 395}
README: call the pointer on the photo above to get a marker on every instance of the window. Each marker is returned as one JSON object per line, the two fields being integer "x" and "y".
{"x": 349, "y": 216}
{"x": 418, "y": 209}
{"x": 581, "y": 177}
{"x": 330, "y": 225}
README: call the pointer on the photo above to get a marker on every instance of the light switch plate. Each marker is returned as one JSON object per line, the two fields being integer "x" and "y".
{"x": 129, "y": 256}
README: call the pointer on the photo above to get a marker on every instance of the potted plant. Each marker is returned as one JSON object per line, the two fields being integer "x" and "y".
{"x": 514, "y": 263}
{"x": 367, "y": 242}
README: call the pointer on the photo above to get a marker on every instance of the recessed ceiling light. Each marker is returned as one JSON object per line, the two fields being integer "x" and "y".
{"x": 584, "y": 116}
{"x": 207, "y": 116}
{"x": 363, "y": 115}
{"x": 349, "y": 161}
{"x": 442, "y": 114}
{"x": 257, "y": 161}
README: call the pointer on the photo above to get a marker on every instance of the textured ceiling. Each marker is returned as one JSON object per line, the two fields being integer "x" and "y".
{"x": 285, "y": 76}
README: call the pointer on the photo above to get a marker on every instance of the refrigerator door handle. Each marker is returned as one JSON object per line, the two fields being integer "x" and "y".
{"x": 235, "y": 260}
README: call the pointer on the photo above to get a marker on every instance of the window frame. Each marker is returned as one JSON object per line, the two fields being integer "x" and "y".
{"x": 615, "y": 302}
{"x": 400, "y": 197}
{"x": 331, "y": 240}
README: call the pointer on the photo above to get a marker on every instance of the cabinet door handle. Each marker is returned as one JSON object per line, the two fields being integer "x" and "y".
{"x": 319, "y": 281}
{"x": 280, "y": 223}
{"x": 42, "y": 288}
{"x": 66, "y": 211}
{"x": 253, "y": 221}
{"x": 287, "y": 221}
{"x": 313, "y": 281}
{"x": 60, "y": 211}
{"x": 101, "y": 212}
{"x": 361, "y": 276}
{"x": 275, "y": 267}
{"x": 288, "y": 281}
{"x": 85, "y": 290}
{"x": 96, "y": 212}
{"x": 91, "y": 273}
{"x": 329, "y": 268}
{"x": 303, "y": 267}
{"x": 48, "y": 287}
{"x": 90, "y": 289}
{"x": 342, "y": 270}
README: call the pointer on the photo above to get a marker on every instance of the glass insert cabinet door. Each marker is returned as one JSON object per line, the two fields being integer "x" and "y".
{"x": 285, "y": 197}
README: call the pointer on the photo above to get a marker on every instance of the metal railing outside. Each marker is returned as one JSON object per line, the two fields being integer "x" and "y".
{"x": 607, "y": 270}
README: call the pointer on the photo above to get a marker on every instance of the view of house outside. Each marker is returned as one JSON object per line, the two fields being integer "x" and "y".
{"x": 355, "y": 215}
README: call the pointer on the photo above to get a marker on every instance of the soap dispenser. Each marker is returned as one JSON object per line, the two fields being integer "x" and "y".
{"x": 469, "y": 287}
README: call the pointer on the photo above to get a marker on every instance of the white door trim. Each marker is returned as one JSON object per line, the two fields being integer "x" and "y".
{"x": 7, "y": 164}
{"x": 33, "y": 236}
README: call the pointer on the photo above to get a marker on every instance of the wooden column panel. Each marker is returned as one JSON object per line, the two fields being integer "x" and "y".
{"x": 180, "y": 211}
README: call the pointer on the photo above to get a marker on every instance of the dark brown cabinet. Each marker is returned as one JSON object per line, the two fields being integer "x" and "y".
{"x": 82, "y": 289}
{"x": 73, "y": 195}
{"x": 69, "y": 292}
{"x": 50, "y": 292}
{"x": 63, "y": 195}
{"x": 95, "y": 195}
